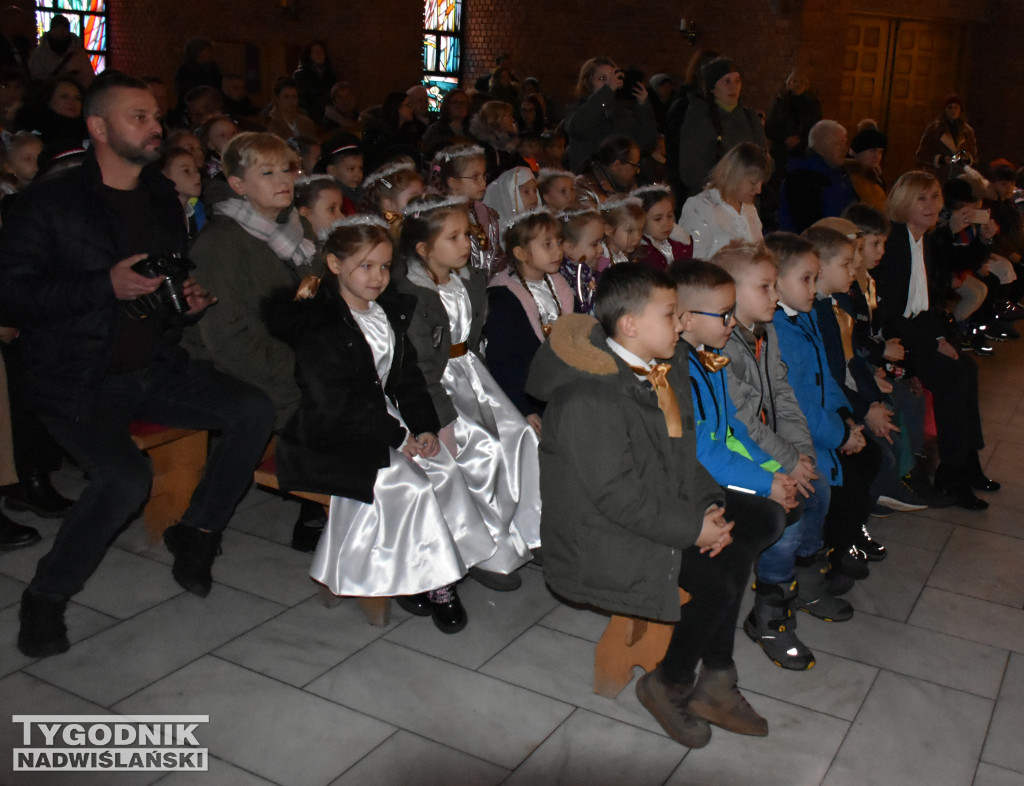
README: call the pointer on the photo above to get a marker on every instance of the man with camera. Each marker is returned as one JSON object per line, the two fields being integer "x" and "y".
{"x": 100, "y": 345}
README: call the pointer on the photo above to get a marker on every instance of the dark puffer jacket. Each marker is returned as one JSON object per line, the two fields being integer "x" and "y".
{"x": 622, "y": 499}
{"x": 56, "y": 253}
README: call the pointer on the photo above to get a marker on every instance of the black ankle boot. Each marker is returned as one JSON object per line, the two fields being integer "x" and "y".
{"x": 309, "y": 526}
{"x": 976, "y": 475}
{"x": 850, "y": 561}
{"x": 16, "y": 536}
{"x": 194, "y": 552}
{"x": 35, "y": 492}
{"x": 955, "y": 481}
{"x": 42, "y": 631}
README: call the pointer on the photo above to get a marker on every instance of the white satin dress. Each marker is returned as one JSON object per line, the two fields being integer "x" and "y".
{"x": 497, "y": 448}
{"x": 422, "y": 530}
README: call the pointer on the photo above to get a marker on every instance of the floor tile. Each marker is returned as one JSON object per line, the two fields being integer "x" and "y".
{"x": 904, "y": 649}
{"x": 583, "y": 623}
{"x": 495, "y": 619}
{"x": 10, "y": 590}
{"x": 479, "y": 715}
{"x": 599, "y": 751}
{"x": 912, "y": 529}
{"x": 1003, "y": 746}
{"x": 272, "y": 571}
{"x": 797, "y": 750}
{"x": 153, "y": 644}
{"x": 998, "y": 518}
{"x": 81, "y": 622}
{"x": 126, "y": 584}
{"x": 302, "y": 739}
{"x": 912, "y": 732}
{"x": 220, "y": 773}
{"x": 410, "y": 759}
{"x": 895, "y": 583}
{"x": 21, "y": 694}
{"x": 306, "y": 641}
{"x": 990, "y": 775}
{"x": 982, "y": 565}
{"x": 834, "y": 686}
{"x": 969, "y": 618}
{"x": 562, "y": 666}
{"x": 267, "y": 516}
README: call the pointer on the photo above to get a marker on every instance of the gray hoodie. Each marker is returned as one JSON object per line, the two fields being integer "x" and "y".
{"x": 760, "y": 387}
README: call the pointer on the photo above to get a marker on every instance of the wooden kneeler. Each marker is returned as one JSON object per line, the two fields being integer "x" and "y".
{"x": 376, "y": 610}
{"x": 629, "y": 642}
{"x": 179, "y": 457}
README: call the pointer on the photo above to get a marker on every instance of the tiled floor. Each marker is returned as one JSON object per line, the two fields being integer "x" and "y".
{"x": 925, "y": 684}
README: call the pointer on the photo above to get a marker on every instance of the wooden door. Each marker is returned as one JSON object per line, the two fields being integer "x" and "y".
{"x": 897, "y": 72}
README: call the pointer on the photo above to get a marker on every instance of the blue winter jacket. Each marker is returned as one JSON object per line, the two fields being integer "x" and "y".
{"x": 724, "y": 447}
{"x": 821, "y": 399}
{"x": 811, "y": 191}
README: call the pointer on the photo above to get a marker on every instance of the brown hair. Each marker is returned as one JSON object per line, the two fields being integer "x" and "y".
{"x": 423, "y": 223}
{"x": 827, "y": 242}
{"x": 529, "y": 227}
{"x": 377, "y": 189}
{"x": 574, "y": 222}
{"x": 739, "y": 255}
{"x": 452, "y": 162}
{"x": 787, "y": 247}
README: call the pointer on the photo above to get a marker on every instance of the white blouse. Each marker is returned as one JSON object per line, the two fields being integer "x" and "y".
{"x": 713, "y": 223}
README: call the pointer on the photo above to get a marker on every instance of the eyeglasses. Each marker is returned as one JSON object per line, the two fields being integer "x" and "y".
{"x": 474, "y": 178}
{"x": 725, "y": 317}
{"x": 637, "y": 166}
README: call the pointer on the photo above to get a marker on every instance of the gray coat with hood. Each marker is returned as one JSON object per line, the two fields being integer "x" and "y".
{"x": 622, "y": 499}
{"x": 757, "y": 386}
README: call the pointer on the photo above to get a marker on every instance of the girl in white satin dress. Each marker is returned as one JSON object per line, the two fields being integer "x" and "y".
{"x": 492, "y": 443}
{"x": 402, "y": 521}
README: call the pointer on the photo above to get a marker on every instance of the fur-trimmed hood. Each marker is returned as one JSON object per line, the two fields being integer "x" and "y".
{"x": 576, "y": 349}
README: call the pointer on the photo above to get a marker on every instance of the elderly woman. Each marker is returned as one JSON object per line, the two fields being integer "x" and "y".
{"x": 725, "y": 210}
{"x": 599, "y": 112}
{"x": 910, "y": 286}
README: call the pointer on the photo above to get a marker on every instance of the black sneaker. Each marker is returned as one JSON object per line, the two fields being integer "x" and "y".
{"x": 873, "y": 550}
{"x": 900, "y": 496}
{"x": 850, "y": 561}
{"x": 43, "y": 631}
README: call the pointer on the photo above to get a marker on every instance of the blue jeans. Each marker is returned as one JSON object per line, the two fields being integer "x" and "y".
{"x": 801, "y": 539}
{"x": 177, "y": 392}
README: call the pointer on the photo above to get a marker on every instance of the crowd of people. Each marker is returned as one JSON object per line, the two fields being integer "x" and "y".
{"x": 650, "y": 342}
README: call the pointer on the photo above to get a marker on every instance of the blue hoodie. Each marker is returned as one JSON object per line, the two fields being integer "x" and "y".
{"x": 821, "y": 399}
{"x": 724, "y": 447}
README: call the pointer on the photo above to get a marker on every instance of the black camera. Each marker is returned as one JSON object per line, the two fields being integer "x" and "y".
{"x": 174, "y": 269}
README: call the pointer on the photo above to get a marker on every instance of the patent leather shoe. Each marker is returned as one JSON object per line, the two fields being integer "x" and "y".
{"x": 418, "y": 604}
{"x": 35, "y": 492}
{"x": 450, "y": 616}
{"x": 16, "y": 536}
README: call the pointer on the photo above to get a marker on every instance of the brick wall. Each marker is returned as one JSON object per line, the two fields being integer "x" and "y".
{"x": 373, "y": 43}
{"x": 376, "y": 43}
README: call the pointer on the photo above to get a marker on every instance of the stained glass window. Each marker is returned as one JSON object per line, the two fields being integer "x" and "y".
{"x": 88, "y": 20}
{"x": 442, "y": 47}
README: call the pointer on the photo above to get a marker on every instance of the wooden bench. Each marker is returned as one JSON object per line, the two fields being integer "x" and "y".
{"x": 376, "y": 610}
{"x": 629, "y": 642}
{"x": 178, "y": 456}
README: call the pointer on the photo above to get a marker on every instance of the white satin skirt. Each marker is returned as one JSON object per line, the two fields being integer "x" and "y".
{"x": 422, "y": 531}
{"x": 498, "y": 456}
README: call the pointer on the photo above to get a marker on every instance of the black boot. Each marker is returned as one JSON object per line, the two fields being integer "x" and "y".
{"x": 194, "y": 552}
{"x": 309, "y": 526}
{"x": 976, "y": 475}
{"x": 42, "y": 631}
{"x": 850, "y": 561}
{"x": 955, "y": 481}
{"x": 15, "y": 536}
{"x": 35, "y": 492}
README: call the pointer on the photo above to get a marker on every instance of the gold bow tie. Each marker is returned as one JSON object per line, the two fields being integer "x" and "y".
{"x": 392, "y": 217}
{"x": 712, "y": 361}
{"x": 667, "y": 401}
{"x": 307, "y": 288}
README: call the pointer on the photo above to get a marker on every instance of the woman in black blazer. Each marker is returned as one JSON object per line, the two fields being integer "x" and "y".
{"x": 911, "y": 285}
